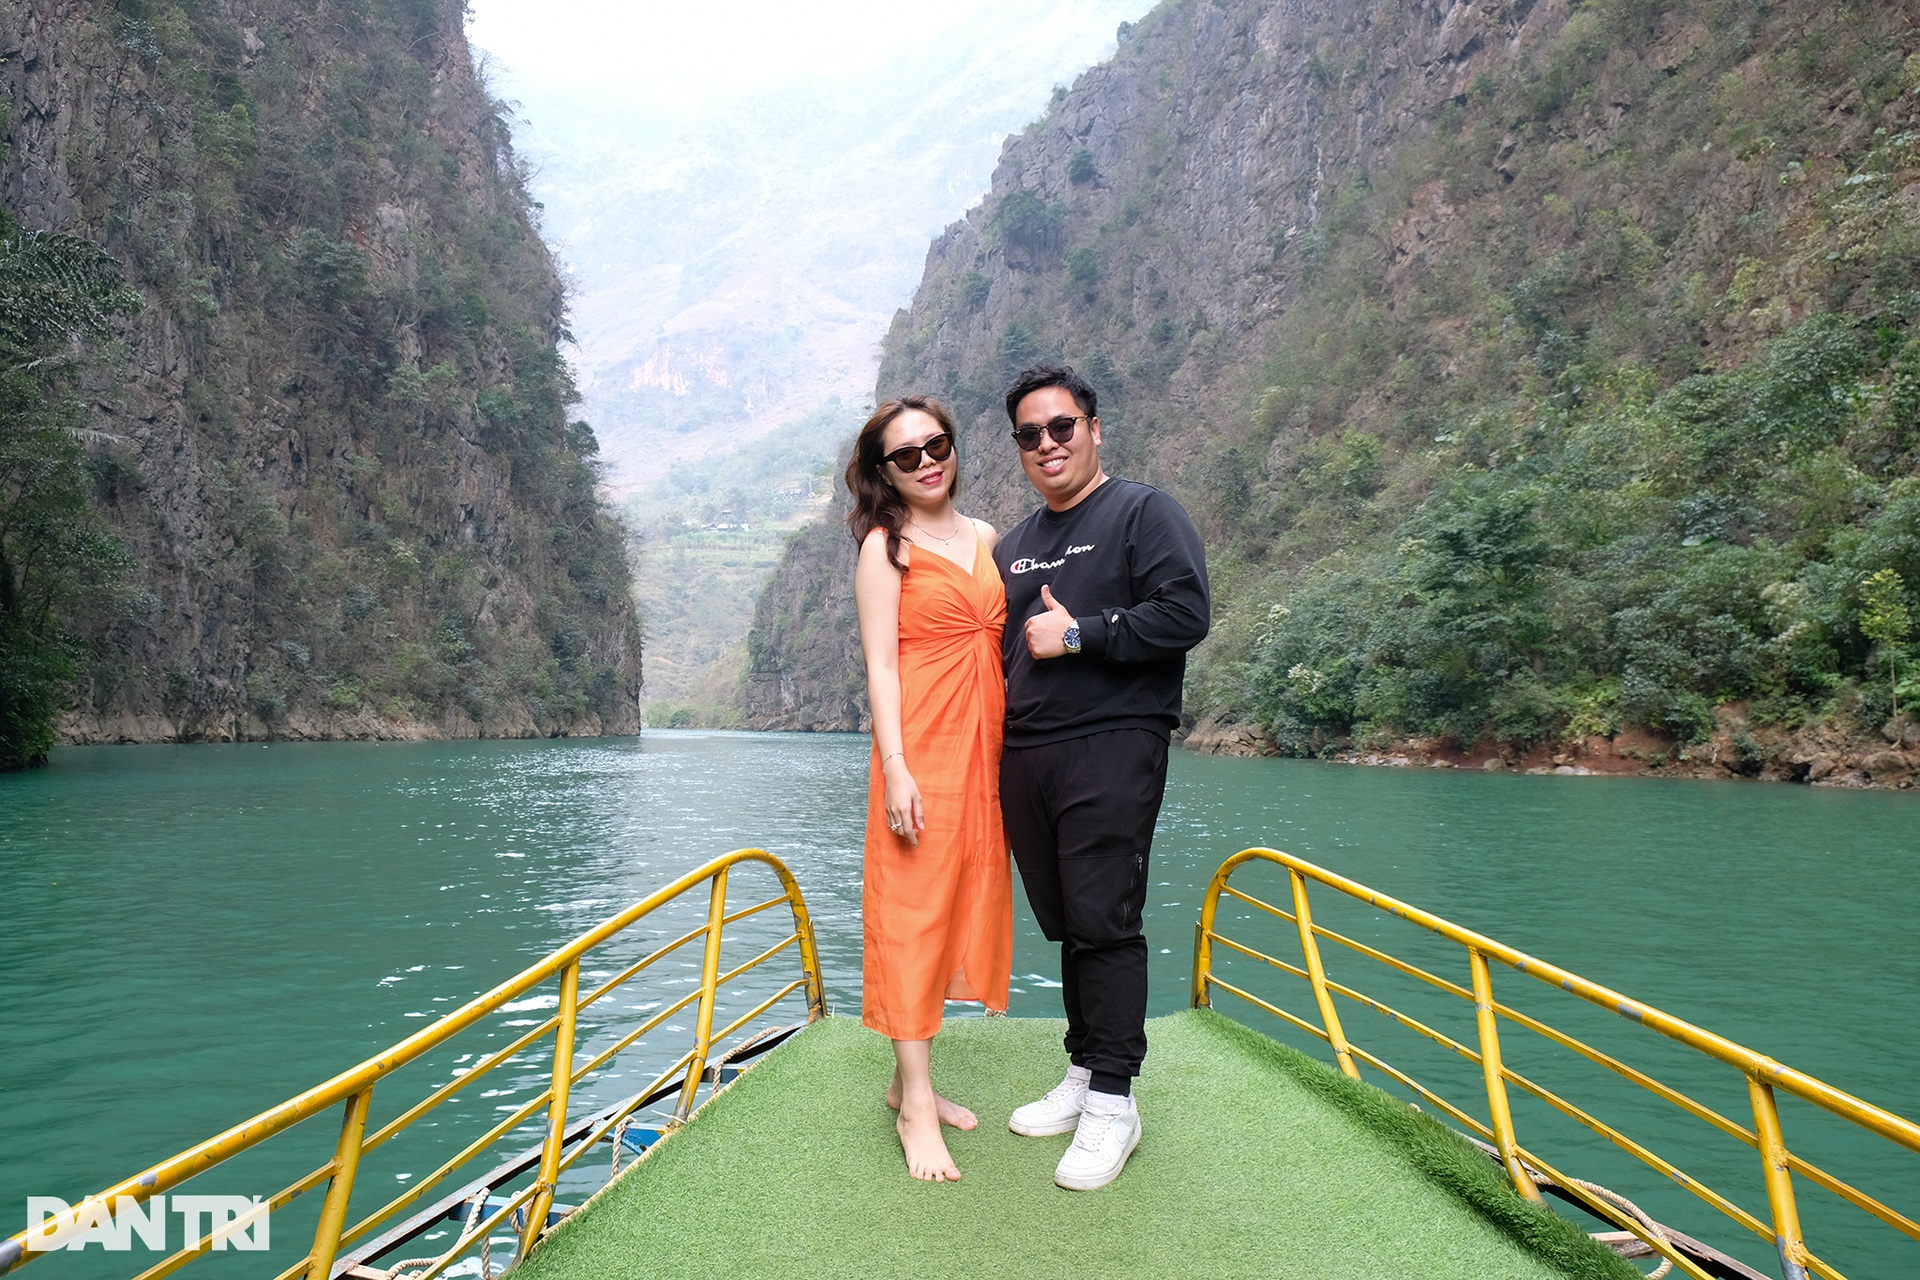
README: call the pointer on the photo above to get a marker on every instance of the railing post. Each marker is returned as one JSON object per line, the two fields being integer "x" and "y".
{"x": 709, "y": 980}
{"x": 1779, "y": 1179}
{"x": 346, "y": 1163}
{"x": 1490, "y": 1067}
{"x": 1317, "y": 975}
{"x": 557, "y": 1095}
{"x": 809, "y": 955}
{"x": 1203, "y": 957}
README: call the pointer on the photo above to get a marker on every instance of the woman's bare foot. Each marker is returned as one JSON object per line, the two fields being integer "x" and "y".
{"x": 952, "y": 1114}
{"x": 926, "y": 1150}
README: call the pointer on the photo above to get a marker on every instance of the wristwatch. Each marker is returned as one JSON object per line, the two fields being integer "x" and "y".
{"x": 1071, "y": 636}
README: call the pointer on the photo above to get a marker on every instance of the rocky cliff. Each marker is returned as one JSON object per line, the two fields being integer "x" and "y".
{"x": 1541, "y": 375}
{"x": 335, "y": 439}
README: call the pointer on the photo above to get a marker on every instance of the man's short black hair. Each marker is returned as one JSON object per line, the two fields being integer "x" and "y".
{"x": 1052, "y": 375}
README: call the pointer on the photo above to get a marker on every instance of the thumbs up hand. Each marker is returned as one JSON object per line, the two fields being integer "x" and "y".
{"x": 1044, "y": 630}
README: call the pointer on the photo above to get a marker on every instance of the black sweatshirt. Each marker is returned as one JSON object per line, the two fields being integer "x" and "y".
{"x": 1128, "y": 562}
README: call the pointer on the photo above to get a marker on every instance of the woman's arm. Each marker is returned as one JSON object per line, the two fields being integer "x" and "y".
{"x": 876, "y": 593}
{"x": 988, "y": 534}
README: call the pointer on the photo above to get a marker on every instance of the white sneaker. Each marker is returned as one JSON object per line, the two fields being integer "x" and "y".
{"x": 1101, "y": 1145}
{"x": 1058, "y": 1112}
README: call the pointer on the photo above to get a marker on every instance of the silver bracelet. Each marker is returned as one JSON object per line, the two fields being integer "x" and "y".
{"x": 890, "y": 755}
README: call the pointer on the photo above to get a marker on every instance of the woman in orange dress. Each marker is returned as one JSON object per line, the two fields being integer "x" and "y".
{"x": 938, "y": 895}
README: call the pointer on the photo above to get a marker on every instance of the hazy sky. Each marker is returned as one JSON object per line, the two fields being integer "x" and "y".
{"x": 742, "y": 191}
{"x": 685, "y": 54}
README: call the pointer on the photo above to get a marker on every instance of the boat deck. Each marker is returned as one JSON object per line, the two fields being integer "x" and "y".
{"x": 1255, "y": 1161}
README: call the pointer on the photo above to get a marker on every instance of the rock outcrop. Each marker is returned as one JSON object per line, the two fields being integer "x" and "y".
{"x": 336, "y": 438}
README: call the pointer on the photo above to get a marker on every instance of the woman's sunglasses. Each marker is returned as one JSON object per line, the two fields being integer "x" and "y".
{"x": 1061, "y": 429}
{"x": 907, "y": 457}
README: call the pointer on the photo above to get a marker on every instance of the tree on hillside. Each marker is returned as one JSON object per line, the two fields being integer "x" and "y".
{"x": 1886, "y": 620}
{"x": 55, "y": 291}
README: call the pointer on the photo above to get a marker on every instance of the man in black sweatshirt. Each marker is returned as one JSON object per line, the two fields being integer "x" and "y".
{"x": 1106, "y": 592}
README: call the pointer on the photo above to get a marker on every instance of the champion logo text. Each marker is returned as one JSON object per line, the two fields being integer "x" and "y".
{"x": 1027, "y": 564}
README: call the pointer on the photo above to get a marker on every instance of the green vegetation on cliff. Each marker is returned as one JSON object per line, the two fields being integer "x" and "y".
{"x": 1536, "y": 371}
{"x": 55, "y": 555}
{"x": 337, "y": 444}
{"x": 1625, "y": 447}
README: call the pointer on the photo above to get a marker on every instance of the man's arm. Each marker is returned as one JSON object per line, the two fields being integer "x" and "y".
{"x": 1170, "y": 575}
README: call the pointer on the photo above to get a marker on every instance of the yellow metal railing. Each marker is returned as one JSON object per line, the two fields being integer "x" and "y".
{"x": 1524, "y": 1165}
{"x": 352, "y": 1090}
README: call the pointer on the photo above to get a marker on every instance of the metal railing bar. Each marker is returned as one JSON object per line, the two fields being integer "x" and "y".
{"x": 582, "y": 1134}
{"x": 704, "y": 1038}
{"x": 1814, "y": 1173}
{"x": 1406, "y": 1020}
{"x": 323, "y": 1097}
{"x": 474, "y": 1148}
{"x": 654, "y": 1092}
{"x": 1728, "y": 1266}
{"x": 468, "y": 1239}
{"x": 755, "y": 909}
{"x": 1277, "y": 1012}
{"x": 1763, "y": 1074}
{"x": 278, "y": 1200}
{"x": 1698, "y": 1110}
{"x": 1478, "y": 1126}
{"x": 621, "y": 978}
{"x": 357, "y": 1082}
{"x": 639, "y": 1031}
{"x": 167, "y": 1266}
{"x": 1608, "y": 1212}
{"x": 1213, "y": 980}
{"x": 454, "y": 1086}
{"x": 414, "y": 1193}
{"x": 500, "y": 1056}
{"x": 768, "y": 954}
{"x": 1754, "y": 1065}
{"x": 759, "y": 1009}
{"x": 369, "y": 1250}
{"x": 1248, "y": 898}
{"x": 1295, "y": 970}
{"x": 1394, "y": 962}
{"x": 1855, "y": 1197}
{"x": 1643, "y": 1154}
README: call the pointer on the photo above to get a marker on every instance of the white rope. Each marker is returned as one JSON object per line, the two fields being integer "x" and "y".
{"x": 619, "y": 1140}
{"x": 475, "y": 1207}
{"x": 1639, "y": 1215}
{"x": 474, "y": 1215}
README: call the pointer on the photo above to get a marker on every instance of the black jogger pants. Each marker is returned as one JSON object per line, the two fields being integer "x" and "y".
{"x": 1080, "y": 817}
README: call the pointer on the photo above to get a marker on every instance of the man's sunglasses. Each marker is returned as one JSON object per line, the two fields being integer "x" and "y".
{"x": 1061, "y": 429}
{"x": 907, "y": 457}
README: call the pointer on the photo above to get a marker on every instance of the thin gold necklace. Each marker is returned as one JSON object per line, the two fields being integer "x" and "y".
{"x": 946, "y": 541}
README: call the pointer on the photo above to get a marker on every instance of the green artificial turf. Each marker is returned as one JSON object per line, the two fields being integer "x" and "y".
{"x": 1255, "y": 1161}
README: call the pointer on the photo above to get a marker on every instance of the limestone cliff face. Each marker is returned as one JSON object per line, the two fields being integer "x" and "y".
{"x": 1148, "y": 230}
{"x": 336, "y": 438}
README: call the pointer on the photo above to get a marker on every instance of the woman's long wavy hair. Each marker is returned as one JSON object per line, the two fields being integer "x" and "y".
{"x": 876, "y": 503}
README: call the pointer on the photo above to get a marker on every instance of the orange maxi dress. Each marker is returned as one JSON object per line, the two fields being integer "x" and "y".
{"x": 939, "y": 917}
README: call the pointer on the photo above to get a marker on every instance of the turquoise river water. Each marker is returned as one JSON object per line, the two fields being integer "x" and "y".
{"x": 195, "y": 933}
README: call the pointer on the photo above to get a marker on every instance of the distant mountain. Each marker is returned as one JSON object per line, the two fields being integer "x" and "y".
{"x": 1545, "y": 377}
{"x": 735, "y": 262}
